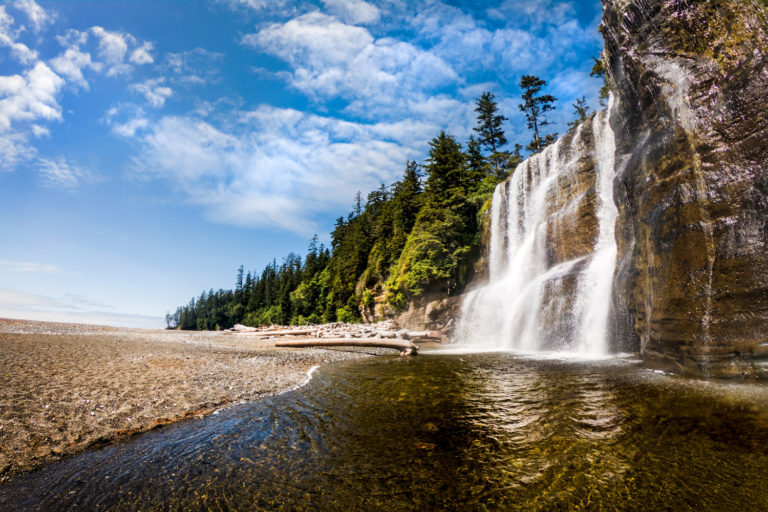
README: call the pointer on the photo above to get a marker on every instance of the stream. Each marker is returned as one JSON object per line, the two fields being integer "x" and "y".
{"x": 488, "y": 431}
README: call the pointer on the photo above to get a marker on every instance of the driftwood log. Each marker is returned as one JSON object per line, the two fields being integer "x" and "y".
{"x": 290, "y": 332}
{"x": 406, "y": 347}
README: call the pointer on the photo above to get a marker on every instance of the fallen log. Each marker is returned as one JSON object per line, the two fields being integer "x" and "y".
{"x": 289, "y": 332}
{"x": 406, "y": 347}
{"x": 425, "y": 336}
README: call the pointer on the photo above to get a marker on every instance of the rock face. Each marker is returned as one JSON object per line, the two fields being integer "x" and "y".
{"x": 691, "y": 122}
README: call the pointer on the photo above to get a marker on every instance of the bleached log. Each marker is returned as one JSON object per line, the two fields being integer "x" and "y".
{"x": 405, "y": 347}
{"x": 289, "y": 332}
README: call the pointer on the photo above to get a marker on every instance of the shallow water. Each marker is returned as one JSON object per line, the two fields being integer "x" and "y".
{"x": 449, "y": 432}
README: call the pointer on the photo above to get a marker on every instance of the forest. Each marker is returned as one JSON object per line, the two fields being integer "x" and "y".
{"x": 418, "y": 236}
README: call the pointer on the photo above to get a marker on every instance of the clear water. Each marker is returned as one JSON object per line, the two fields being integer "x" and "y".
{"x": 441, "y": 432}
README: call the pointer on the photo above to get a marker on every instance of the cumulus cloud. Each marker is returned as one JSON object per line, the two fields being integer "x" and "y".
{"x": 141, "y": 54}
{"x": 36, "y": 14}
{"x": 70, "y": 65}
{"x": 153, "y": 91}
{"x": 8, "y": 38}
{"x": 29, "y": 97}
{"x": 332, "y": 59}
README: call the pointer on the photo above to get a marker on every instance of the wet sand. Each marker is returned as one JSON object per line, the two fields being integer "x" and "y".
{"x": 67, "y": 387}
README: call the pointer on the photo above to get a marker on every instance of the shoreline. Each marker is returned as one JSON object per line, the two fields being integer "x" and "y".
{"x": 66, "y": 388}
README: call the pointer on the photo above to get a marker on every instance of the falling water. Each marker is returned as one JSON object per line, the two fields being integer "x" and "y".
{"x": 545, "y": 291}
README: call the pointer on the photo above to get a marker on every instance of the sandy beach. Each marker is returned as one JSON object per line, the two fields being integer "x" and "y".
{"x": 67, "y": 387}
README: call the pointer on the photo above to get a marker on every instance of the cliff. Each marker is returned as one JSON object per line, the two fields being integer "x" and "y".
{"x": 691, "y": 186}
{"x": 646, "y": 228}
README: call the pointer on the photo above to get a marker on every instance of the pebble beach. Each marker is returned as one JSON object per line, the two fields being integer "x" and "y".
{"x": 67, "y": 387}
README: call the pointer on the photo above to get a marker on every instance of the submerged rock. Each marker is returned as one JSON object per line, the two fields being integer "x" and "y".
{"x": 691, "y": 125}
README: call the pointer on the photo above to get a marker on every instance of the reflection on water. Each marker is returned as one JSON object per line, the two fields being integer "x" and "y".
{"x": 458, "y": 432}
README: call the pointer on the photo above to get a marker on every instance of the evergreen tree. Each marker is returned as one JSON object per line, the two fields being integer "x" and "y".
{"x": 581, "y": 111}
{"x": 598, "y": 71}
{"x": 476, "y": 163}
{"x": 489, "y": 130}
{"x": 535, "y": 109}
{"x": 445, "y": 168}
{"x": 515, "y": 159}
{"x": 419, "y": 235}
{"x": 239, "y": 282}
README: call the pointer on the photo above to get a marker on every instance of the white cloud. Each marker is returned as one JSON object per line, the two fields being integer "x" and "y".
{"x": 354, "y": 11}
{"x": 72, "y": 38}
{"x": 129, "y": 128}
{"x": 8, "y": 39}
{"x": 27, "y": 266}
{"x": 534, "y": 13}
{"x": 60, "y": 174}
{"x": 126, "y": 120}
{"x": 34, "y": 12}
{"x": 332, "y": 59}
{"x": 69, "y": 308}
{"x": 256, "y": 5}
{"x": 30, "y": 97}
{"x": 153, "y": 91}
{"x": 141, "y": 54}
{"x": 114, "y": 47}
{"x": 194, "y": 67}
{"x": 14, "y": 150}
{"x": 279, "y": 167}
{"x": 70, "y": 65}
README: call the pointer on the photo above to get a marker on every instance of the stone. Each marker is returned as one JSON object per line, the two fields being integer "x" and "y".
{"x": 691, "y": 124}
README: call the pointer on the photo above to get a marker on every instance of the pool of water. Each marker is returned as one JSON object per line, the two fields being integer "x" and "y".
{"x": 448, "y": 432}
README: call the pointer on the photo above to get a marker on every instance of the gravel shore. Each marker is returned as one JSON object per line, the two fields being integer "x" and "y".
{"x": 66, "y": 387}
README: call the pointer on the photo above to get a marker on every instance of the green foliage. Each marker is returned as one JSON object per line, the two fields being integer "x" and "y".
{"x": 535, "y": 109}
{"x": 417, "y": 236}
{"x": 442, "y": 241}
{"x": 490, "y": 131}
{"x": 581, "y": 111}
{"x": 598, "y": 70}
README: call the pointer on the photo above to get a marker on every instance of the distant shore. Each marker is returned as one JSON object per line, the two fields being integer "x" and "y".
{"x": 67, "y": 387}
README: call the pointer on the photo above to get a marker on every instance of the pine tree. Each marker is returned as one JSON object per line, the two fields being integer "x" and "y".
{"x": 581, "y": 111}
{"x": 598, "y": 71}
{"x": 476, "y": 164}
{"x": 445, "y": 168}
{"x": 515, "y": 158}
{"x": 407, "y": 200}
{"x": 491, "y": 135}
{"x": 535, "y": 109}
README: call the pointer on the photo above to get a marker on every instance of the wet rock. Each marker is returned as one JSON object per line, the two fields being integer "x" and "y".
{"x": 691, "y": 126}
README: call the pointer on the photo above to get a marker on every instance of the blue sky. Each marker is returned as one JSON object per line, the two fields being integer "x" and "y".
{"x": 149, "y": 148}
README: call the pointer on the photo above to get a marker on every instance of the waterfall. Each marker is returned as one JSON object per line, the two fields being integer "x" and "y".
{"x": 552, "y": 252}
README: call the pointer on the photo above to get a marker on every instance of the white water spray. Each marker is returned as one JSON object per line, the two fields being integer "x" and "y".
{"x": 533, "y": 301}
